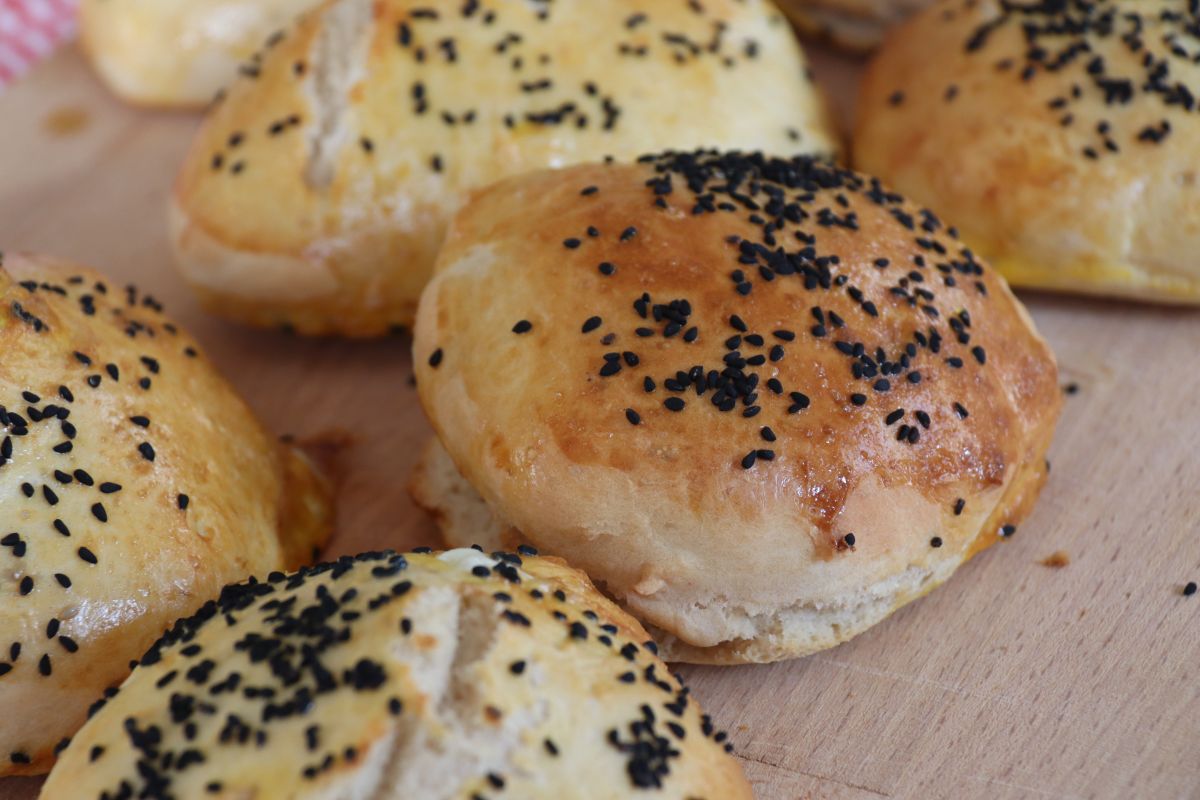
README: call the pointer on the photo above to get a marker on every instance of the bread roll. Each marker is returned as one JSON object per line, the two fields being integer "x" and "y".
{"x": 134, "y": 484}
{"x": 317, "y": 193}
{"x": 177, "y": 53}
{"x": 393, "y": 676}
{"x": 1063, "y": 138}
{"x": 856, "y": 25}
{"x": 762, "y": 402}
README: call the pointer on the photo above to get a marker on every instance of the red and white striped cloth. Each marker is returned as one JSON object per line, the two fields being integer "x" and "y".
{"x": 30, "y": 30}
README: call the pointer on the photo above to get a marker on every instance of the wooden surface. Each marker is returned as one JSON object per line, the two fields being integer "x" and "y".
{"x": 1014, "y": 680}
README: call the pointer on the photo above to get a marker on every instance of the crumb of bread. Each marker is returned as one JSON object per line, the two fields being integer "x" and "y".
{"x": 1056, "y": 560}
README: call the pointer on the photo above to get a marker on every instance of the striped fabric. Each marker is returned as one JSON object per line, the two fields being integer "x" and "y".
{"x": 30, "y": 30}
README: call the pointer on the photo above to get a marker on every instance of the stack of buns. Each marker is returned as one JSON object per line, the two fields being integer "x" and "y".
{"x": 762, "y": 399}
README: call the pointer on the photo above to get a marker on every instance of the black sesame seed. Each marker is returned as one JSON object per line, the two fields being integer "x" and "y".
{"x": 524, "y": 326}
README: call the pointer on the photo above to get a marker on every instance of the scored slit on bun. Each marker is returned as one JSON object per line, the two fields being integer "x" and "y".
{"x": 317, "y": 193}
{"x": 390, "y": 676}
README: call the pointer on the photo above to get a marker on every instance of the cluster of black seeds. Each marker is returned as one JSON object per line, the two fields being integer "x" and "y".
{"x": 297, "y": 634}
{"x": 789, "y": 202}
{"x": 1118, "y": 52}
{"x": 425, "y": 37}
{"x": 37, "y": 428}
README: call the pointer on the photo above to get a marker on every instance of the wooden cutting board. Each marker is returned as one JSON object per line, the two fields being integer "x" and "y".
{"x": 1015, "y": 680}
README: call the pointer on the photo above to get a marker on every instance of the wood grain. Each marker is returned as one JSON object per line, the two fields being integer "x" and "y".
{"x": 1015, "y": 680}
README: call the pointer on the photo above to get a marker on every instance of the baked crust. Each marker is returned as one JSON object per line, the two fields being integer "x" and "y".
{"x": 317, "y": 192}
{"x": 738, "y": 561}
{"x": 1063, "y": 176}
{"x": 177, "y": 53}
{"x": 134, "y": 484}
{"x": 386, "y": 676}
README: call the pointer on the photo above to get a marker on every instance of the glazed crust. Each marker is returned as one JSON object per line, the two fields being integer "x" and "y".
{"x": 177, "y": 53}
{"x": 1059, "y": 176}
{"x": 422, "y": 675}
{"x": 739, "y": 562}
{"x": 124, "y": 504}
{"x": 318, "y": 191}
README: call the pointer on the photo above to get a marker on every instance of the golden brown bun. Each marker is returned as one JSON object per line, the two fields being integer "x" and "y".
{"x": 177, "y": 53}
{"x": 134, "y": 484}
{"x": 856, "y": 25}
{"x": 679, "y": 514}
{"x": 317, "y": 193}
{"x": 392, "y": 676}
{"x": 1063, "y": 177}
